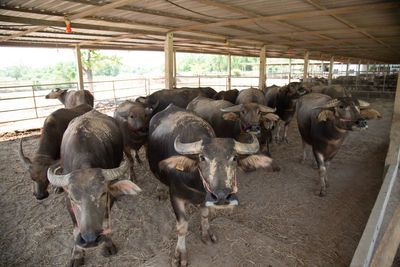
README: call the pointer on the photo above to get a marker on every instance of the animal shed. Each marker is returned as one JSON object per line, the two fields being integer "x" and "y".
{"x": 280, "y": 221}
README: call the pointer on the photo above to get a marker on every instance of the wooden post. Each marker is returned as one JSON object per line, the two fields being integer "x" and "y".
{"x": 347, "y": 67}
{"x": 330, "y": 71}
{"x": 367, "y": 69}
{"x": 306, "y": 55}
{"x": 79, "y": 67}
{"x": 387, "y": 248}
{"x": 175, "y": 68}
{"x": 322, "y": 68}
{"x": 229, "y": 84}
{"x": 396, "y": 111}
{"x": 290, "y": 69}
{"x": 262, "y": 81}
{"x": 374, "y": 72}
{"x": 358, "y": 73}
{"x": 169, "y": 60}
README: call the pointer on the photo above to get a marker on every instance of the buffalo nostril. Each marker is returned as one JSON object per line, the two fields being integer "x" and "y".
{"x": 89, "y": 237}
{"x": 361, "y": 123}
{"x": 41, "y": 196}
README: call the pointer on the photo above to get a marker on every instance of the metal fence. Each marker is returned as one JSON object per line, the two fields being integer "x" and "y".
{"x": 25, "y": 106}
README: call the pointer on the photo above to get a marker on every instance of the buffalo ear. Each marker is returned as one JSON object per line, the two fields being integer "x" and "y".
{"x": 369, "y": 114}
{"x": 230, "y": 116}
{"x": 258, "y": 161}
{"x": 180, "y": 163}
{"x": 325, "y": 115}
{"x": 124, "y": 187}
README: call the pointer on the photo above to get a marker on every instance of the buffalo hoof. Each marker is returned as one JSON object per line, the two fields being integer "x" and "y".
{"x": 109, "y": 250}
{"x": 58, "y": 190}
{"x": 180, "y": 258}
{"x": 321, "y": 193}
{"x": 76, "y": 262}
{"x": 208, "y": 237}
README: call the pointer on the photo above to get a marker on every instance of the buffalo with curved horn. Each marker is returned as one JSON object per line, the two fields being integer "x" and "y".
{"x": 198, "y": 167}
{"x": 324, "y": 123}
{"x": 48, "y": 151}
{"x": 91, "y": 153}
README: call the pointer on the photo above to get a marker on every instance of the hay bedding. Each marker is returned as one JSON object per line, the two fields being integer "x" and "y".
{"x": 279, "y": 222}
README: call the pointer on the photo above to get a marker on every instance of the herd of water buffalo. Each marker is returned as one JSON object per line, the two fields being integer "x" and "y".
{"x": 195, "y": 140}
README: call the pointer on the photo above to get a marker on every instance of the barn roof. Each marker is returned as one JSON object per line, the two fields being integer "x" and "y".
{"x": 347, "y": 29}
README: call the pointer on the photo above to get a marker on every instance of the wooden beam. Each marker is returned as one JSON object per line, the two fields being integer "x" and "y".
{"x": 336, "y": 41}
{"x": 75, "y": 16}
{"x": 229, "y": 81}
{"x": 169, "y": 61}
{"x": 261, "y": 81}
{"x": 387, "y": 248}
{"x": 110, "y": 39}
{"x": 305, "y": 71}
{"x": 79, "y": 68}
{"x": 342, "y": 10}
{"x": 330, "y": 71}
{"x": 3, "y": 39}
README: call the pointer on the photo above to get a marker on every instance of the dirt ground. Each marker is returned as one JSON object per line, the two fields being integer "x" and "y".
{"x": 279, "y": 221}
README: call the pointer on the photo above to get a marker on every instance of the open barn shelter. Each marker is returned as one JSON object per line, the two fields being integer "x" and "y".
{"x": 280, "y": 222}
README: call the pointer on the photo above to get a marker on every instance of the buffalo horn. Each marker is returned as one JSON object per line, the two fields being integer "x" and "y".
{"x": 59, "y": 180}
{"x": 266, "y": 109}
{"x": 22, "y": 157}
{"x": 187, "y": 148}
{"x": 245, "y": 149}
{"x": 363, "y": 104}
{"x": 112, "y": 174}
{"x": 330, "y": 104}
{"x": 236, "y": 108}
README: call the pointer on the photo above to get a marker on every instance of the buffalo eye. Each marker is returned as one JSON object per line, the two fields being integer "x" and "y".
{"x": 235, "y": 158}
{"x": 341, "y": 106}
{"x": 202, "y": 158}
{"x": 131, "y": 116}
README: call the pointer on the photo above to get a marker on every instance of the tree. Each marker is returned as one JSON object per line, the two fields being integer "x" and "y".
{"x": 92, "y": 59}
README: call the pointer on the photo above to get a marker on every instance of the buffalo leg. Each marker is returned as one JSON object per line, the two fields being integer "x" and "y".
{"x": 108, "y": 247}
{"x": 77, "y": 255}
{"x": 206, "y": 233}
{"x": 319, "y": 158}
{"x": 304, "y": 155}
{"x": 182, "y": 227}
{"x": 277, "y": 135}
{"x": 285, "y": 129}
{"x": 128, "y": 154}
{"x": 137, "y": 156}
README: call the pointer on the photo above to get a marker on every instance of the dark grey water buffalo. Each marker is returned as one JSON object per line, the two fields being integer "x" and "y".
{"x": 233, "y": 121}
{"x": 283, "y": 99}
{"x": 133, "y": 120}
{"x": 324, "y": 123}
{"x": 180, "y": 97}
{"x": 333, "y": 91}
{"x": 71, "y": 98}
{"x": 251, "y": 95}
{"x": 199, "y": 168}
{"x": 48, "y": 151}
{"x": 229, "y": 95}
{"x": 91, "y": 153}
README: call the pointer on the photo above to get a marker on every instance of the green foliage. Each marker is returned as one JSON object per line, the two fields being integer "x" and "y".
{"x": 100, "y": 64}
{"x": 202, "y": 64}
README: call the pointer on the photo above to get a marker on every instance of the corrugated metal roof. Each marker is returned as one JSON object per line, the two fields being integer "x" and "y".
{"x": 367, "y": 29}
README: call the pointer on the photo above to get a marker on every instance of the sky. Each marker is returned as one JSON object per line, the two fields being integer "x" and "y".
{"x": 39, "y": 57}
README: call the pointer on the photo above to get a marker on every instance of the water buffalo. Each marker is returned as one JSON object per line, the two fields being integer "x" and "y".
{"x": 91, "y": 153}
{"x": 251, "y": 95}
{"x": 48, "y": 151}
{"x": 229, "y": 95}
{"x": 333, "y": 91}
{"x": 324, "y": 123}
{"x": 71, "y": 98}
{"x": 133, "y": 120}
{"x": 199, "y": 168}
{"x": 284, "y": 100}
{"x": 230, "y": 120}
{"x": 180, "y": 97}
